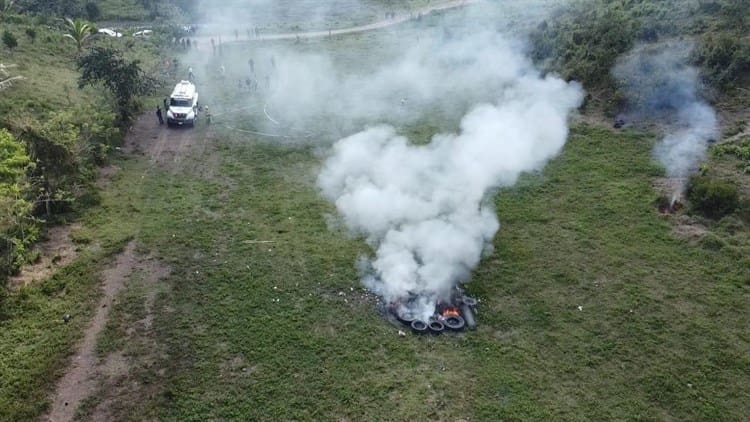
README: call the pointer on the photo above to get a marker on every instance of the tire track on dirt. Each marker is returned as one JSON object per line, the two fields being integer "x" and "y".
{"x": 79, "y": 382}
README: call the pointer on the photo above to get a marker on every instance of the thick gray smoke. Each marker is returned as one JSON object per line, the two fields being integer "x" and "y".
{"x": 435, "y": 75}
{"x": 661, "y": 87}
{"x": 425, "y": 208}
{"x": 413, "y": 71}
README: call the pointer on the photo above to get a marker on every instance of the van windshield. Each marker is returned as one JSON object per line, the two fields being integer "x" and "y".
{"x": 174, "y": 102}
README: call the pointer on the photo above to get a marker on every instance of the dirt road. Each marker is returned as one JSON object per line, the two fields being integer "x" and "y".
{"x": 204, "y": 41}
{"x": 163, "y": 146}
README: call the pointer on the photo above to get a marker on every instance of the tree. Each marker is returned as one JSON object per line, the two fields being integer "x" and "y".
{"x": 125, "y": 80}
{"x": 5, "y": 6}
{"x": 92, "y": 11}
{"x": 31, "y": 33}
{"x": 10, "y": 40}
{"x": 79, "y": 31}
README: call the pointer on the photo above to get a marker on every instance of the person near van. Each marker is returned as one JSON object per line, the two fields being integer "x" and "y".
{"x": 166, "y": 103}
{"x": 159, "y": 115}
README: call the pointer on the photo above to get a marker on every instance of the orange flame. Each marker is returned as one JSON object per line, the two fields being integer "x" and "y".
{"x": 449, "y": 312}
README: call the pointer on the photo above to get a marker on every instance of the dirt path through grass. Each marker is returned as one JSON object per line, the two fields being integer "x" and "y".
{"x": 79, "y": 382}
{"x": 395, "y": 20}
{"x": 164, "y": 147}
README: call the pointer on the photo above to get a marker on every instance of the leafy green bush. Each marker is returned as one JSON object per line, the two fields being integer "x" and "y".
{"x": 10, "y": 40}
{"x": 724, "y": 59}
{"x": 31, "y": 33}
{"x": 17, "y": 229}
{"x": 739, "y": 149}
{"x": 712, "y": 198}
{"x": 66, "y": 148}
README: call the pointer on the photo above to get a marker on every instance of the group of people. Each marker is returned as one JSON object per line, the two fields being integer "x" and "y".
{"x": 185, "y": 43}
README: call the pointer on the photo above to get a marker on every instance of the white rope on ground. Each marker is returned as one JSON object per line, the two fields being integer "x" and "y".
{"x": 268, "y": 116}
{"x": 270, "y": 135}
{"x": 232, "y": 111}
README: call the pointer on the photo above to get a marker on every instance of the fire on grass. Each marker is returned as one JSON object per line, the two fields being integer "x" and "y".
{"x": 455, "y": 314}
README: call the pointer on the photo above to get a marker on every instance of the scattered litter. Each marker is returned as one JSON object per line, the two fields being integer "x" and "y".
{"x": 67, "y": 318}
{"x": 401, "y": 333}
{"x": 580, "y": 308}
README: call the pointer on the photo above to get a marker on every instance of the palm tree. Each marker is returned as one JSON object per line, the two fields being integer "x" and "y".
{"x": 5, "y": 79}
{"x": 79, "y": 31}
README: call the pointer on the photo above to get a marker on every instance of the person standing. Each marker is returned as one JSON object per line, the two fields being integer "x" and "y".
{"x": 159, "y": 115}
{"x": 166, "y": 104}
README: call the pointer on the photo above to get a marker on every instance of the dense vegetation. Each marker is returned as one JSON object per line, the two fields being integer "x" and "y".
{"x": 64, "y": 129}
{"x": 584, "y": 40}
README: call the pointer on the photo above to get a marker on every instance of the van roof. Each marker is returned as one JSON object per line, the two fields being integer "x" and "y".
{"x": 184, "y": 89}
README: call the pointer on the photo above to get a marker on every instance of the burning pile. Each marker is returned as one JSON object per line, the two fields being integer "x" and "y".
{"x": 456, "y": 314}
{"x": 667, "y": 207}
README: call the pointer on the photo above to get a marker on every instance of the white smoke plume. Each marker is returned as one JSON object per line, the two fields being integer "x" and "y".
{"x": 662, "y": 87}
{"x": 416, "y": 69}
{"x": 426, "y": 208}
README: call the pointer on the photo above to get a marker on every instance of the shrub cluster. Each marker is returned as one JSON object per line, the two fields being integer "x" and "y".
{"x": 712, "y": 198}
{"x": 583, "y": 40}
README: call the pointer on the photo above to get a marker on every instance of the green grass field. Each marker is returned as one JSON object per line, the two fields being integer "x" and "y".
{"x": 283, "y": 330}
{"x": 592, "y": 307}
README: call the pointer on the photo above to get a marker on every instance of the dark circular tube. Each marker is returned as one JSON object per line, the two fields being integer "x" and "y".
{"x": 436, "y": 327}
{"x": 418, "y": 326}
{"x": 406, "y": 317}
{"x": 469, "y": 301}
{"x": 454, "y": 323}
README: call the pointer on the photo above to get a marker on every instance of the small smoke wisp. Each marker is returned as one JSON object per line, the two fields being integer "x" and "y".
{"x": 427, "y": 209}
{"x": 662, "y": 87}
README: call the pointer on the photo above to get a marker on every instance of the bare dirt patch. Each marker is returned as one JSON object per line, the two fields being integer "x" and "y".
{"x": 86, "y": 372}
{"x": 688, "y": 228}
{"x": 165, "y": 146}
{"x": 55, "y": 252}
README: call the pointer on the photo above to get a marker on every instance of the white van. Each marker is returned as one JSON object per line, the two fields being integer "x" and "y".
{"x": 183, "y": 105}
